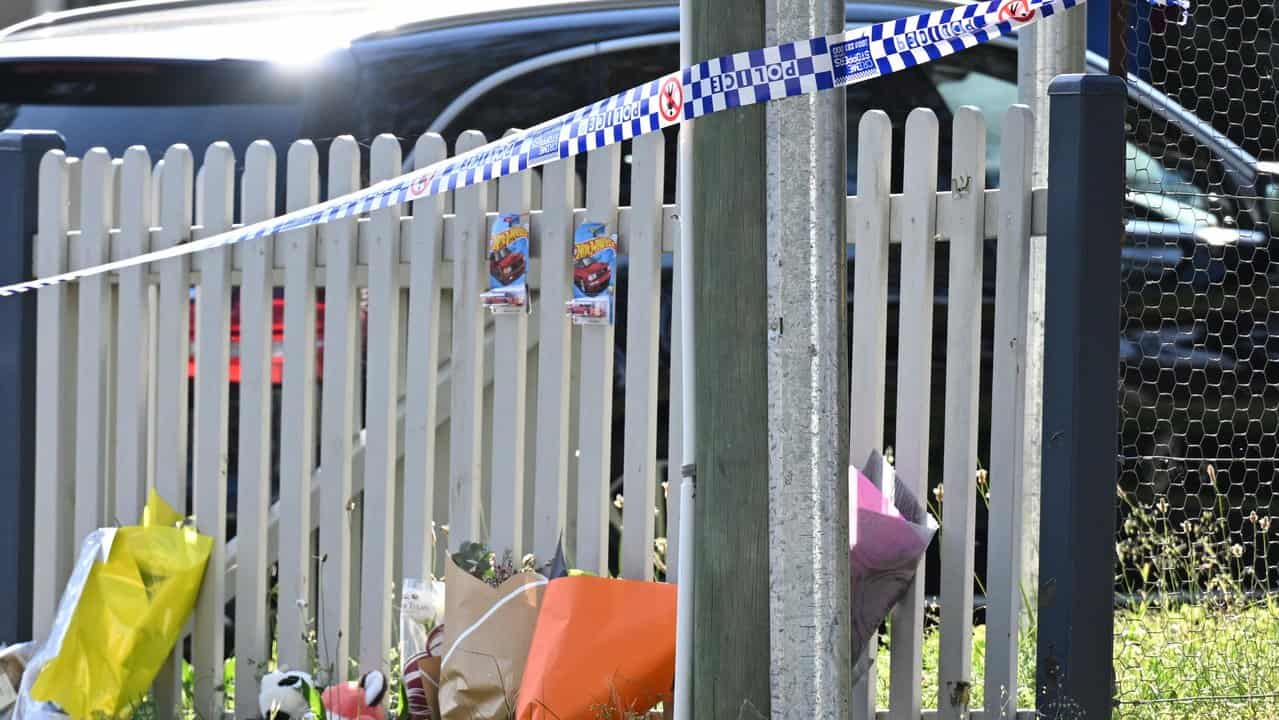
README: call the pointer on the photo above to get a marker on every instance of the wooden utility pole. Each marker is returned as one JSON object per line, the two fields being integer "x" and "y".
{"x": 731, "y": 613}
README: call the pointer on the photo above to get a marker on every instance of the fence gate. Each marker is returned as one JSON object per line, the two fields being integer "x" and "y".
{"x": 1197, "y": 546}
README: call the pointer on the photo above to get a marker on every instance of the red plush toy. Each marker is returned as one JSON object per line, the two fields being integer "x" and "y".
{"x": 356, "y": 701}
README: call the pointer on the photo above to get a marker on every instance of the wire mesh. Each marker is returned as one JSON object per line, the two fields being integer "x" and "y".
{"x": 1197, "y": 546}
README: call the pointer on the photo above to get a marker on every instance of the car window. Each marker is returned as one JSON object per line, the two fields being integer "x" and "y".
{"x": 107, "y": 103}
{"x": 1161, "y": 161}
{"x": 1145, "y": 174}
{"x": 983, "y": 76}
{"x": 117, "y": 127}
{"x": 548, "y": 92}
{"x": 116, "y": 105}
{"x": 619, "y": 71}
{"x": 527, "y": 100}
{"x": 896, "y": 95}
{"x": 986, "y": 81}
{"x": 1157, "y": 206}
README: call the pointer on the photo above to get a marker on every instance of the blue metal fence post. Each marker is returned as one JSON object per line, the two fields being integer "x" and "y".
{"x": 20, "y": 154}
{"x": 1081, "y": 365}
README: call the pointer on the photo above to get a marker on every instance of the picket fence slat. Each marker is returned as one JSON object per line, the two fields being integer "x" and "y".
{"x": 675, "y": 221}
{"x": 869, "y": 224}
{"x": 1008, "y": 409}
{"x": 594, "y": 475}
{"x": 550, "y": 488}
{"x": 297, "y": 416}
{"x": 53, "y": 533}
{"x": 643, "y": 310}
{"x": 337, "y": 422}
{"x": 443, "y": 464}
{"x": 675, "y": 459}
{"x": 914, "y": 368}
{"x": 252, "y": 641}
{"x": 426, "y": 252}
{"x": 75, "y": 177}
{"x": 173, "y": 319}
{"x": 111, "y": 324}
{"x": 510, "y": 376}
{"x": 466, "y": 414}
{"x": 209, "y": 424}
{"x": 157, "y": 186}
{"x": 964, "y": 227}
{"x": 91, "y": 387}
{"x": 199, "y": 197}
{"x": 173, "y": 328}
{"x": 133, "y": 363}
{"x": 380, "y": 496}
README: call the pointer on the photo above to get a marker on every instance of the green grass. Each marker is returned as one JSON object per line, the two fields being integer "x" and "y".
{"x": 1215, "y": 658}
{"x": 1190, "y": 651}
{"x": 1215, "y": 653}
{"x": 928, "y": 680}
{"x": 1170, "y": 655}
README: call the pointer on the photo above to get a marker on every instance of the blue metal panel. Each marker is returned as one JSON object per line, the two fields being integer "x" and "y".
{"x": 20, "y": 154}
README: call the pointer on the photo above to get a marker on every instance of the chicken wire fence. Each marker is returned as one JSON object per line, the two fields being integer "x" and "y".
{"x": 1197, "y": 545}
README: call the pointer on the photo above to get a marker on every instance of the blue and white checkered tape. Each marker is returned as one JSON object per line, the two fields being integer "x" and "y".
{"x": 745, "y": 78}
{"x": 1184, "y": 5}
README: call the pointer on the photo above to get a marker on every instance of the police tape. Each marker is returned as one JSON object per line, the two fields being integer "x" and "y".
{"x": 745, "y": 78}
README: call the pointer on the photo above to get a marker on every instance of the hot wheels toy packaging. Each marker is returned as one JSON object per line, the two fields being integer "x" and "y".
{"x": 594, "y": 275}
{"x": 508, "y": 266}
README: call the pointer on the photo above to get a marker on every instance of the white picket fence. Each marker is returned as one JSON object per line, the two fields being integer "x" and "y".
{"x": 499, "y": 429}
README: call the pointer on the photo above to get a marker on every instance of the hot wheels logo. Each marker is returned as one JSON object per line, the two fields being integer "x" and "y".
{"x": 1016, "y": 10}
{"x": 508, "y": 236}
{"x": 592, "y": 246}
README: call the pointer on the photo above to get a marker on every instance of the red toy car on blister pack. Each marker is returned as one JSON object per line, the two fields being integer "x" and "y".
{"x": 506, "y": 265}
{"x": 591, "y": 276}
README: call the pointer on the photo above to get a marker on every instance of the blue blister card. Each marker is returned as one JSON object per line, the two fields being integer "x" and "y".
{"x": 594, "y": 275}
{"x": 508, "y": 266}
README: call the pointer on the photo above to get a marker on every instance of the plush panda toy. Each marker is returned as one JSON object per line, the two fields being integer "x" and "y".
{"x": 286, "y": 696}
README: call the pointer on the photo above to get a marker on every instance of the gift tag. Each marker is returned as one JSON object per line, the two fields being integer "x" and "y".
{"x": 594, "y": 275}
{"x": 508, "y": 266}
